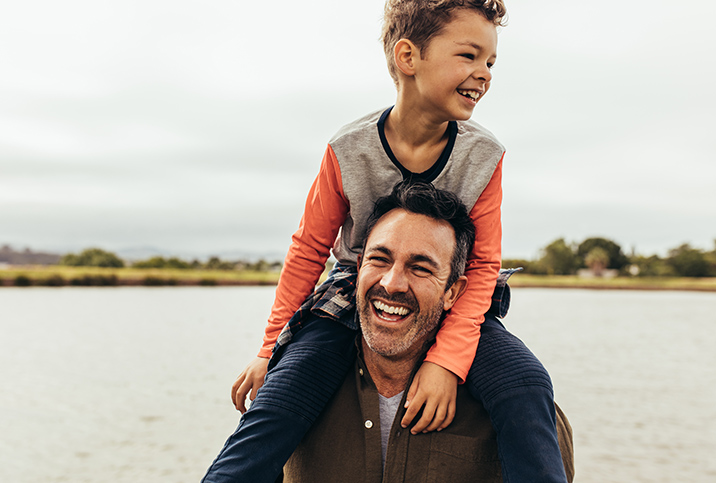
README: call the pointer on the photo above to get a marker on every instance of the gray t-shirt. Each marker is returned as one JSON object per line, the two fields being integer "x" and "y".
{"x": 388, "y": 409}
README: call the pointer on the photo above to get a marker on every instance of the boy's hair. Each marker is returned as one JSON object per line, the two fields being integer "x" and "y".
{"x": 421, "y": 20}
{"x": 425, "y": 199}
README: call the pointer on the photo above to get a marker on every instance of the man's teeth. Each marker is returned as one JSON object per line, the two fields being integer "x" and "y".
{"x": 474, "y": 95}
{"x": 389, "y": 309}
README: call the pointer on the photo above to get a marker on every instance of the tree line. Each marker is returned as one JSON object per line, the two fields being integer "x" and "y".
{"x": 601, "y": 254}
{"x": 96, "y": 257}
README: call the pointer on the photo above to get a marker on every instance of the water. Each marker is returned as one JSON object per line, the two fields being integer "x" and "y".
{"x": 132, "y": 384}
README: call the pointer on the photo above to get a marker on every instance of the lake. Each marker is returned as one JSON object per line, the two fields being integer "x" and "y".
{"x": 115, "y": 385}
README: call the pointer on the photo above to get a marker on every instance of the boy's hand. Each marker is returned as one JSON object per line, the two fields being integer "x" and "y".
{"x": 251, "y": 379}
{"x": 436, "y": 389}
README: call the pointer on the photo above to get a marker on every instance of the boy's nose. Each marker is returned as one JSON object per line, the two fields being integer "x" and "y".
{"x": 483, "y": 72}
{"x": 394, "y": 280}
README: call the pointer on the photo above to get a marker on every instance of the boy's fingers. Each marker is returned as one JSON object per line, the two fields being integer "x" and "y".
{"x": 235, "y": 387}
{"x": 414, "y": 407}
{"x": 410, "y": 414}
{"x": 448, "y": 418}
{"x": 438, "y": 420}
{"x": 428, "y": 414}
{"x": 411, "y": 392}
{"x": 241, "y": 395}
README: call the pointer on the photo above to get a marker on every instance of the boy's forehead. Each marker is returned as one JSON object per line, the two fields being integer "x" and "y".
{"x": 470, "y": 28}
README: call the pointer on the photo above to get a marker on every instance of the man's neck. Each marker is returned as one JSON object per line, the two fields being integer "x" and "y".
{"x": 390, "y": 374}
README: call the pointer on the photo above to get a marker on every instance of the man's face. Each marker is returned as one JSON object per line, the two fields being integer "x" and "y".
{"x": 401, "y": 281}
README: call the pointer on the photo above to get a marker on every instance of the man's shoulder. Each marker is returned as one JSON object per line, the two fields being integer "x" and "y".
{"x": 358, "y": 128}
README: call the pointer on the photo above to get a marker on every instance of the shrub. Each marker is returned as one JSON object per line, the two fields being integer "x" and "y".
{"x": 92, "y": 257}
{"x": 23, "y": 281}
{"x": 52, "y": 281}
{"x": 151, "y": 281}
{"x": 95, "y": 281}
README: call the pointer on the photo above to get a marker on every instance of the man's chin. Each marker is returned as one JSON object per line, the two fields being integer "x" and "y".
{"x": 385, "y": 343}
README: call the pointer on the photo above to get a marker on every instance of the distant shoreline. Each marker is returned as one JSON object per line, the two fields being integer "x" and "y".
{"x": 61, "y": 276}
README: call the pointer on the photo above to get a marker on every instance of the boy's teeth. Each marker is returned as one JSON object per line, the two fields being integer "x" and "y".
{"x": 474, "y": 95}
{"x": 390, "y": 310}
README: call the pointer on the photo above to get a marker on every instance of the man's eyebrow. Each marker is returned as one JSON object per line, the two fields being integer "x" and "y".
{"x": 424, "y": 259}
{"x": 381, "y": 249}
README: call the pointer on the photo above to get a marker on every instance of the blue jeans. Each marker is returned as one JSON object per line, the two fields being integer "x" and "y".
{"x": 512, "y": 384}
{"x": 516, "y": 391}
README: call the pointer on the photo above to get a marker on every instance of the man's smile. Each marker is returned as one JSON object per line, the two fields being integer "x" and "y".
{"x": 390, "y": 313}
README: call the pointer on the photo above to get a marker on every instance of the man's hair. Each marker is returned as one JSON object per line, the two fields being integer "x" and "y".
{"x": 421, "y": 20}
{"x": 425, "y": 199}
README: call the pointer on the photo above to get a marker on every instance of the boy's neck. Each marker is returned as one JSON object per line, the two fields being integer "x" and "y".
{"x": 416, "y": 139}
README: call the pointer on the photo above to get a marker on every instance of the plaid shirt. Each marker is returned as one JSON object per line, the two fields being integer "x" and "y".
{"x": 336, "y": 299}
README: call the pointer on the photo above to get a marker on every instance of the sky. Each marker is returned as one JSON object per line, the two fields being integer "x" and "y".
{"x": 196, "y": 128}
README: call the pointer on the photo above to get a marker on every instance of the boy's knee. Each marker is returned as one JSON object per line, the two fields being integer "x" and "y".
{"x": 505, "y": 366}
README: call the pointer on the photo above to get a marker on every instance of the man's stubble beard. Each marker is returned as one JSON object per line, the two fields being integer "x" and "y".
{"x": 388, "y": 342}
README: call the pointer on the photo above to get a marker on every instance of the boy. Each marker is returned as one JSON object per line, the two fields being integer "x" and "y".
{"x": 439, "y": 54}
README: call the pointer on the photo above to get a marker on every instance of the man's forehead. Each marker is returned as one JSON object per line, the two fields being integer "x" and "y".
{"x": 420, "y": 235}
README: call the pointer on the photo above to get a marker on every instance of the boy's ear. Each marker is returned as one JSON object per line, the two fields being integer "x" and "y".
{"x": 405, "y": 53}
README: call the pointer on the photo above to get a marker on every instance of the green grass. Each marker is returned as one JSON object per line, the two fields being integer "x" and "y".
{"x": 39, "y": 275}
{"x": 619, "y": 283}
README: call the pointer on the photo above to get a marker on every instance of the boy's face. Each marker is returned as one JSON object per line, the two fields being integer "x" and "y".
{"x": 453, "y": 71}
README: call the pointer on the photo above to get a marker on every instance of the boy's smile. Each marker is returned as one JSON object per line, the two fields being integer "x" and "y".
{"x": 452, "y": 73}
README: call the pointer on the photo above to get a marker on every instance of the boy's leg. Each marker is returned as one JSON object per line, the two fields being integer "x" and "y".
{"x": 296, "y": 390}
{"x": 516, "y": 391}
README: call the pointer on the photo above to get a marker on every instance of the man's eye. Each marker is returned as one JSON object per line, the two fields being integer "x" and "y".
{"x": 422, "y": 270}
{"x": 378, "y": 260}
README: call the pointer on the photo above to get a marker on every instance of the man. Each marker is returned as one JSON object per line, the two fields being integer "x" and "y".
{"x": 411, "y": 273}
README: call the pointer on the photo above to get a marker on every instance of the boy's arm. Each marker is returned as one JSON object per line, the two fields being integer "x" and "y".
{"x": 450, "y": 358}
{"x": 326, "y": 210}
{"x": 457, "y": 339}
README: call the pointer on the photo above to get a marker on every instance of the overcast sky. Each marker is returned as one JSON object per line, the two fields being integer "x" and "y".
{"x": 198, "y": 127}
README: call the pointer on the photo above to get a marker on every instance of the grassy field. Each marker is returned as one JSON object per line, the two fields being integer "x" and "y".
{"x": 619, "y": 283}
{"x": 62, "y": 276}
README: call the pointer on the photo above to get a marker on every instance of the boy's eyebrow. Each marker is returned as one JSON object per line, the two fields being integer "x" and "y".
{"x": 474, "y": 46}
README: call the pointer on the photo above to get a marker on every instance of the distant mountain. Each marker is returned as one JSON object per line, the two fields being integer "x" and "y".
{"x": 27, "y": 257}
{"x": 11, "y": 256}
{"x": 142, "y": 253}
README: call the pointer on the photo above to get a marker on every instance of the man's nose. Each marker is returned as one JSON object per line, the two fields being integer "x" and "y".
{"x": 395, "y": 280}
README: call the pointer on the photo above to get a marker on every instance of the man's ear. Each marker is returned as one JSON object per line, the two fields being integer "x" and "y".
{"x": 454, "y": 292}
{"x": 404, "y": 54}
